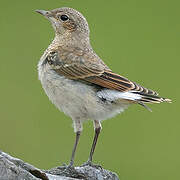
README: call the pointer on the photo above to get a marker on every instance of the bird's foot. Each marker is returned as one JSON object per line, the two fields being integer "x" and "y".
{"x": 67, "y": 168}
{"x": 70, "y": 171}
{"x": 90, "y": 163}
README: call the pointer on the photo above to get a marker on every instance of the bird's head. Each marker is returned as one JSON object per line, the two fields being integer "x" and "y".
{"x": 66, "y": 21}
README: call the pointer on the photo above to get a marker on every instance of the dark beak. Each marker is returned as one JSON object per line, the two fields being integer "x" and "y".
{"x": 43, "y": 12}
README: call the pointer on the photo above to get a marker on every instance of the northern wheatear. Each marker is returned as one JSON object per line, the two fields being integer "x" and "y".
{"x": 78, "y": 82}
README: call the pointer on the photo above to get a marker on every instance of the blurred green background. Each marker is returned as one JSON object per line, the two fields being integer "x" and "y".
{"x": 136, "y": 38}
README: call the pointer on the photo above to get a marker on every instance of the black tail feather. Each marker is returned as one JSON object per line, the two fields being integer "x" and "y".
{"x": 147, "y": 98}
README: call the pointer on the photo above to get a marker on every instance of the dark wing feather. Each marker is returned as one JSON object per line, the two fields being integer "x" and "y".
{"x": 91, "y": 69}
{"x": 115, "y": 81}
{"x": 77, "y": 72}
{"x": 111, "y": 80}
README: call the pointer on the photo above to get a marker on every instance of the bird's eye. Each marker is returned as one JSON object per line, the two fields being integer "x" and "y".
{"x": 64, "y": 17}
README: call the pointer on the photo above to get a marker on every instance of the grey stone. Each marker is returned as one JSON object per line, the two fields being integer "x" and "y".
{"x": 12, "y": 168}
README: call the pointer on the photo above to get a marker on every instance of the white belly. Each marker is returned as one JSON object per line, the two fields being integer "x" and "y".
{"x": 76, "y": 99}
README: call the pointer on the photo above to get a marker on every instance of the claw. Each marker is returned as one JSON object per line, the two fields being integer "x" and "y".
{"x": 89, "y": 163}
{"x": 70, "y": 171}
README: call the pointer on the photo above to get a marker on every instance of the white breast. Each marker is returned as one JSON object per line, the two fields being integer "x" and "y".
{"x": 79, "y": 100}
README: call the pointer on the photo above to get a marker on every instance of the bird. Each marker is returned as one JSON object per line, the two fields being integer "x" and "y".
{"x": 79, "y": 83}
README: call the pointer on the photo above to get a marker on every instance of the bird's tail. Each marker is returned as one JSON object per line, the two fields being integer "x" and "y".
{"x": 147, "y": 98}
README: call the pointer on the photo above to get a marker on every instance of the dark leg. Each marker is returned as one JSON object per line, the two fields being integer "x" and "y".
{"x": 97, "y": 127}
{"x": 97, "y": 131}
{"x": 70, "y": 170}
{"x": 74, "y": 148}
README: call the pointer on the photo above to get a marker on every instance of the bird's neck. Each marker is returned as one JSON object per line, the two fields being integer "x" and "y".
{"x": 71, "y": 40}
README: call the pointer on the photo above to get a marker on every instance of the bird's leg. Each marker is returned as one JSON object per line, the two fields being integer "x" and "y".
{"x": 78, "y": 133}
{"x": 97, "y": 129}
{"x": 70, "y": 170}
{"x": 77, "y": 129}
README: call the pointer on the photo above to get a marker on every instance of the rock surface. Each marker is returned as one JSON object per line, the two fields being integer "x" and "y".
{"x": 15, "y": 169}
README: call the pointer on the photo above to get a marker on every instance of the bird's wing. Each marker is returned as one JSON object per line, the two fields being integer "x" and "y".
{"x": 90, "y": 68}
{"x": 75, "y": 64}
{"x": 111, "y": 80}
{"x": 87, "y": 67}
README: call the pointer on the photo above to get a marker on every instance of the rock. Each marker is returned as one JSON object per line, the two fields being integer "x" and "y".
{"x": 12, "y": 168}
